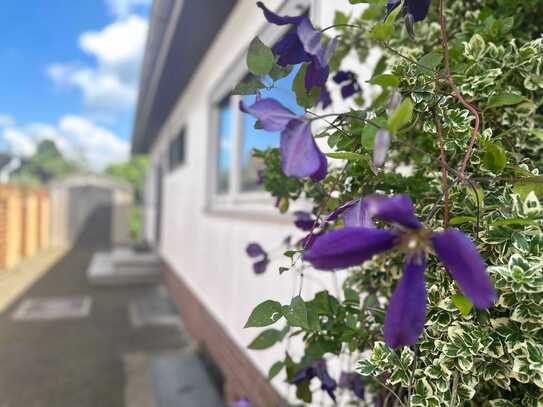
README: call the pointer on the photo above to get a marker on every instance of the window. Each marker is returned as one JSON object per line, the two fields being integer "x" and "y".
{"x": 224, "y": 158}
{"x": 237, "y": 137}
{"x": 177, "y": 150}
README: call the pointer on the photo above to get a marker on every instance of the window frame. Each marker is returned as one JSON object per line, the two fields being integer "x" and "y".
{"x": 235, "y": 198}
{"x": 181, "y": 135}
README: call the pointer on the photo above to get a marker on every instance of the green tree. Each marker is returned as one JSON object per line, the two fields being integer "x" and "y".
{"x": 131, "y": 172}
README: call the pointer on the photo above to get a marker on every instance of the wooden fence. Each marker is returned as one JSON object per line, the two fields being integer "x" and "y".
{"x": 24, "y": 223}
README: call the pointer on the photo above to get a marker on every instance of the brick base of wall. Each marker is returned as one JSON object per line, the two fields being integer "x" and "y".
{"x": 240, "y": 376}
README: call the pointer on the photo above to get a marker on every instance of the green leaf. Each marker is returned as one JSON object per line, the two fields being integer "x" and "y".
{"x": 503, "y": 99}
{"x": 514, "y": 222}
{"x": 266, "y": 339}
{"x": 348, "y": 156}
{"x": 460, "y": 220}
{"x": 382, "y": 31}
{"x": 462, "y": 303}
{"x": 275, "y": 369}
{"x": 385, "y": 80}
{"x": 266, "y": 313}
{"x": 494, "y": 157}
{"x": 259, "y": 58}
{"x": 248, "y": 88}
{"x": 524, "y": 186}
{"x": 351, "y": 295}
{"x": 340, "y": 18}
{"x": 298, "y": 87}
{"x": 296, "y": 313}
{"x": 367, "y": 136}
{"x": 279, "y": 72}
{"x": 401, "y": 116}
{"x": 431, "y": 60}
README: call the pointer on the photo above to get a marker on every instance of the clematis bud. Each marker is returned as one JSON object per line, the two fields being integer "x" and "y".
{"x": 380, "y": 148}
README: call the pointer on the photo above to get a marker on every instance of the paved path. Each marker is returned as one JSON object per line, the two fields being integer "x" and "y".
{"x": 75, "y": 362}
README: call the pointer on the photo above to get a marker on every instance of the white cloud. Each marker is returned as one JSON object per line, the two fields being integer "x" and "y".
{"x": 6, "y": 120}
{"x": 122, "y": 8}
{"x": 112, "y": 84}
{"x": 19, "y": 142}
{"x": 77, "y": 137}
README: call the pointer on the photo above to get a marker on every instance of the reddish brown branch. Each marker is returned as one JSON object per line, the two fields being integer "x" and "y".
{"x": 456, "y": 92}
{"x": 444, "y": 173}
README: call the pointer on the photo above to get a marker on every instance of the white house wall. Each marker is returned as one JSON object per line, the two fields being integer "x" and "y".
{"x": 207, "y": 248}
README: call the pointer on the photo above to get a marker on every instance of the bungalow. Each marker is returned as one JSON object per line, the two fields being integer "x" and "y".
{"x": 202, "y": 201}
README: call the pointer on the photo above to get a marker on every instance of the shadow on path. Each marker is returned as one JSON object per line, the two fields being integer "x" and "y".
{"x": 75, "y": 362}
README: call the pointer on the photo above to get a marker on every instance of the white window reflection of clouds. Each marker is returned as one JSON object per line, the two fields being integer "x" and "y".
{"x": 225, "y": 146}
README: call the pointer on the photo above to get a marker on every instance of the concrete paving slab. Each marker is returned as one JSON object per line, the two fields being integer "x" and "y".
{"x": 181, "y": 380}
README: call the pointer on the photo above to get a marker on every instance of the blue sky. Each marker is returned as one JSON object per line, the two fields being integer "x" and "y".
{"x": 69, "y": 73}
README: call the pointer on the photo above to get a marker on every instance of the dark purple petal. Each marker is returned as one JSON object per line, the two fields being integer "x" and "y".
{"x": 321, "y": 172}
{"x": 392, "y": 4}
{"x": 353, "y": 382}
{"x": 311, "y": 40}
{"x": 303, "y": 374}
{"x": 276, "y": 19}
{"x": 380, "y": 147}
{"x": 465, "y": 265}
{"x": 418, "y": 8}
{"x": 290, "y": 50}
{"x": 348, "y": 247}
{"x": 342, "y": 76}
{"x": 325, "y": 99}
{"x": 398, "y": 209}
{"x": 361, "y": 214}
{"x": 254, "y": 250}
{"x": 272, "y": 115}
{"x": 304, "y": 220}
{"x": 307, "y": 242}
{"x": 300, "y": 156}
{"x": 242, "y": 402}
{"x": 316, "y": 75}
{"x": 260, "y": 266}
{"x": 339, "y": 210}
{"x": 327, "y": 383}
{"x": 406, "y": 311}
{"x": 348, "y": 90}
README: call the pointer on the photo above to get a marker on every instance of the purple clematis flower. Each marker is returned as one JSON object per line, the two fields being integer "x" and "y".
{"x": 317, "y": 369}
{"x": 406, "y": 312}
{"x": 304, "y": 220}
{"x": 416, "y": 8}
{"x": 349, "y": 83}
{"x": 353, "y": 382}
{"x": 242, "y": 402}
{"x": 254, "y": 250}
{"x": 325, "y": 99}
{"x": 300, "y": 155}
{"x": 302, "y": 45}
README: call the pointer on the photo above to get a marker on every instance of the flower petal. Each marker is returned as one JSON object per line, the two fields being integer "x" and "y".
{"x": 316, "y": 75}
{"x": 397, "y": 209}
{"x": 260, "y": 266}
{"x": 348, "y": 90}
{"x": 300, "y": 156}
{"x": 303, "y": 374}
{"x": 418, "y": 8}
{"x": 406, "y": 311}
{"x": 304, "y": 220}
{"x": 254, "y": 250}
{"x": 327, "y": 383}
{"x": 290, "y": 50}
{"x": 277, "y": 19}
{"x": 342, "y": 76}
{"x": 321, "y": 172}
{"x": 332, "y": 216}
{"x": 242, "y": 402}
{"x": 465, "y": 265}
{"x": 325, "y": 99}
{"x": 272, "y": 115}
{"x": 348, "y": 247}
{"x": 361, "y": 214}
